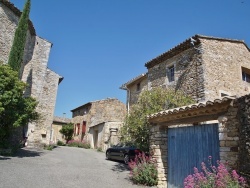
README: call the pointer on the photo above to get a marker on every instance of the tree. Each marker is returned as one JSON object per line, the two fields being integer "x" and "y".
{"x": 136, "y": 126}
{"x": 67, "y": 131}
{"x": 15, "y": 110}
{"x": 17, "y": 49}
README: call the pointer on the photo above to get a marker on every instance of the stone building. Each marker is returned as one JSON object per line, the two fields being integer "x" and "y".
{"x": 216, "y": 73}
{"x": 134, "y": 87}
{"x": 205, "y": 68}
{"x": 98, "y": 122}
{"x": 42, "y": 82}
{"x": 58, "y": 123}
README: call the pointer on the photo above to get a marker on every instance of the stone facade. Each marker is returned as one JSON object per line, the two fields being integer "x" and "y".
{"x": 58, "y": 123}
{"x": 92, "y": 120}
{"x": 234, "y": 130}
{"x": 206, "y": 69}
{"x": 134, "y": 87}
{"x": 104, "y": 135}
{"x": 243, "y": 116}
{"x": 42, "y": 82}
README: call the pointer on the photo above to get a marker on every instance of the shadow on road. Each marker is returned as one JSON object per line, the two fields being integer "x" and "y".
{"x": 4, "y": 158}
{"x": 23, "y": 152}
{"x": 120, "y": 167}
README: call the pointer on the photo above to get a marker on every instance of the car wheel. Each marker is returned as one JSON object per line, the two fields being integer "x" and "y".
{"x": 126, "y": 159}
{"x": 108, "y": 155}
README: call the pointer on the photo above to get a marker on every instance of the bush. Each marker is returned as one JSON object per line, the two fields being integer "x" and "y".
{"x": 99, "y": 149}
{"x": 76, "y": 143}
{"x": 67, "y": 131}
{"x": 49, "y": 147}
{"x": 136, "y": 127}
{"x": 143, "y": 170}
{"x": 214, "y": 177}
{"x": 60, "y": 143}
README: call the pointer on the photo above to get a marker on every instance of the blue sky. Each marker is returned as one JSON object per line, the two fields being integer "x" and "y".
{"x": 100, "y": 44}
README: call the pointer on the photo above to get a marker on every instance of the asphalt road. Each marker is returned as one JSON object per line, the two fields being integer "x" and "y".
{"x": 62, "y": 167}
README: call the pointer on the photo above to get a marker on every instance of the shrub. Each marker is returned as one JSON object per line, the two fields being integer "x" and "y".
{"x": 136, "y": 127}
{"x": 76, "y": 143}
{"x": 49, "y": 147}
{"x": 143, "y": 170}
{"x": 99, "y": 149}
{"x": 214, "y": 177}
{"x": 67, "y": 131}
{"x": 60, "y": 143}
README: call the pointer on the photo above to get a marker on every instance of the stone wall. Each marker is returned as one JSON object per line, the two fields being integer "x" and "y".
{"x": 107, "y": 135}
{"x": 97, "y": 112}
{"x": 188, "y": 74}
{"x": 42, "y": 82}
{"x": 206, "y": 71}
{"x": 243, "y": 116}
{"x": 234, "y": 139}
{"x": 159, "y": 152}
{"x": 222, "y": 62}
{"x": 133, "y": 92}
{"x": 234, "y": 135}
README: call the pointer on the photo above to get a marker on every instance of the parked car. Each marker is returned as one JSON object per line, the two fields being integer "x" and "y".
{"x": 122, "y": 152}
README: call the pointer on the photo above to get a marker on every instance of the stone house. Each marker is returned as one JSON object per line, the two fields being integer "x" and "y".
{"x": 98, "y": 122}
{"x": 58, "y": 123}
{"x": 134, "y": 87}
{"x": 204, "y": 67}
{"x": 42, "y": 82}
{"x": 210, "y": 70}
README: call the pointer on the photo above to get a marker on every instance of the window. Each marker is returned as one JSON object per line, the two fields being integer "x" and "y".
{"x": 170, "y": 73}
{"x": 83, "y": 127}
{"x": 245, "y": 74}
{"x": 138, "y": 87}
{"x": 246, "y": 77}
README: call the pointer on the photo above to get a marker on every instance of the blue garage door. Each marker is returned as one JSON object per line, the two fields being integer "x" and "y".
{"x": 187, "y": 148}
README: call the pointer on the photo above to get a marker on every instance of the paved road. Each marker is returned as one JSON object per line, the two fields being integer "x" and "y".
{"x": 62, "y": 167}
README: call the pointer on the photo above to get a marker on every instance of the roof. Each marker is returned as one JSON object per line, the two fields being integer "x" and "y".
{"x": 186, "y": 110}
{"x": 18, "y": 13}
{"x": 124, "y": 86}
{"x": 184, "y": 46}
{"x": 90, "y": 103}
{"x": 61, "y": 120}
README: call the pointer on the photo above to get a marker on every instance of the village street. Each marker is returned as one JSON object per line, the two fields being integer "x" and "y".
{"x": 62, "y": 167}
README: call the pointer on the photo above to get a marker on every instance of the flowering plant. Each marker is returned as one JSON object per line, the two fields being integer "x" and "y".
{"x": 214, "y": 177}
{"x": 143, "y": 170}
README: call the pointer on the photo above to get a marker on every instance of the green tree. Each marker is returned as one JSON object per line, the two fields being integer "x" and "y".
{"x": 136, "y": 126}
{"x": 17, "y": 49}
{"x": 15, "y": 110}
{"x": 67, "y": 131}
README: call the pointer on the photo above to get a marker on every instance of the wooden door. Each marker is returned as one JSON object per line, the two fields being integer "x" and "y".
{"x": 187, "y": 148}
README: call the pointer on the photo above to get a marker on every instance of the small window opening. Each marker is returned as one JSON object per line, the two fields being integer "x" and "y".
{"x": 245, "y": 74}
{"x": 138, "y": 87}
{"x": 171, "y": 74}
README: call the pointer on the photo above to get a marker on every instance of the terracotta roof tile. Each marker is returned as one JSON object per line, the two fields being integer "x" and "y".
{"x": 184, "y": 46}
{"x": 190, "y": 107}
